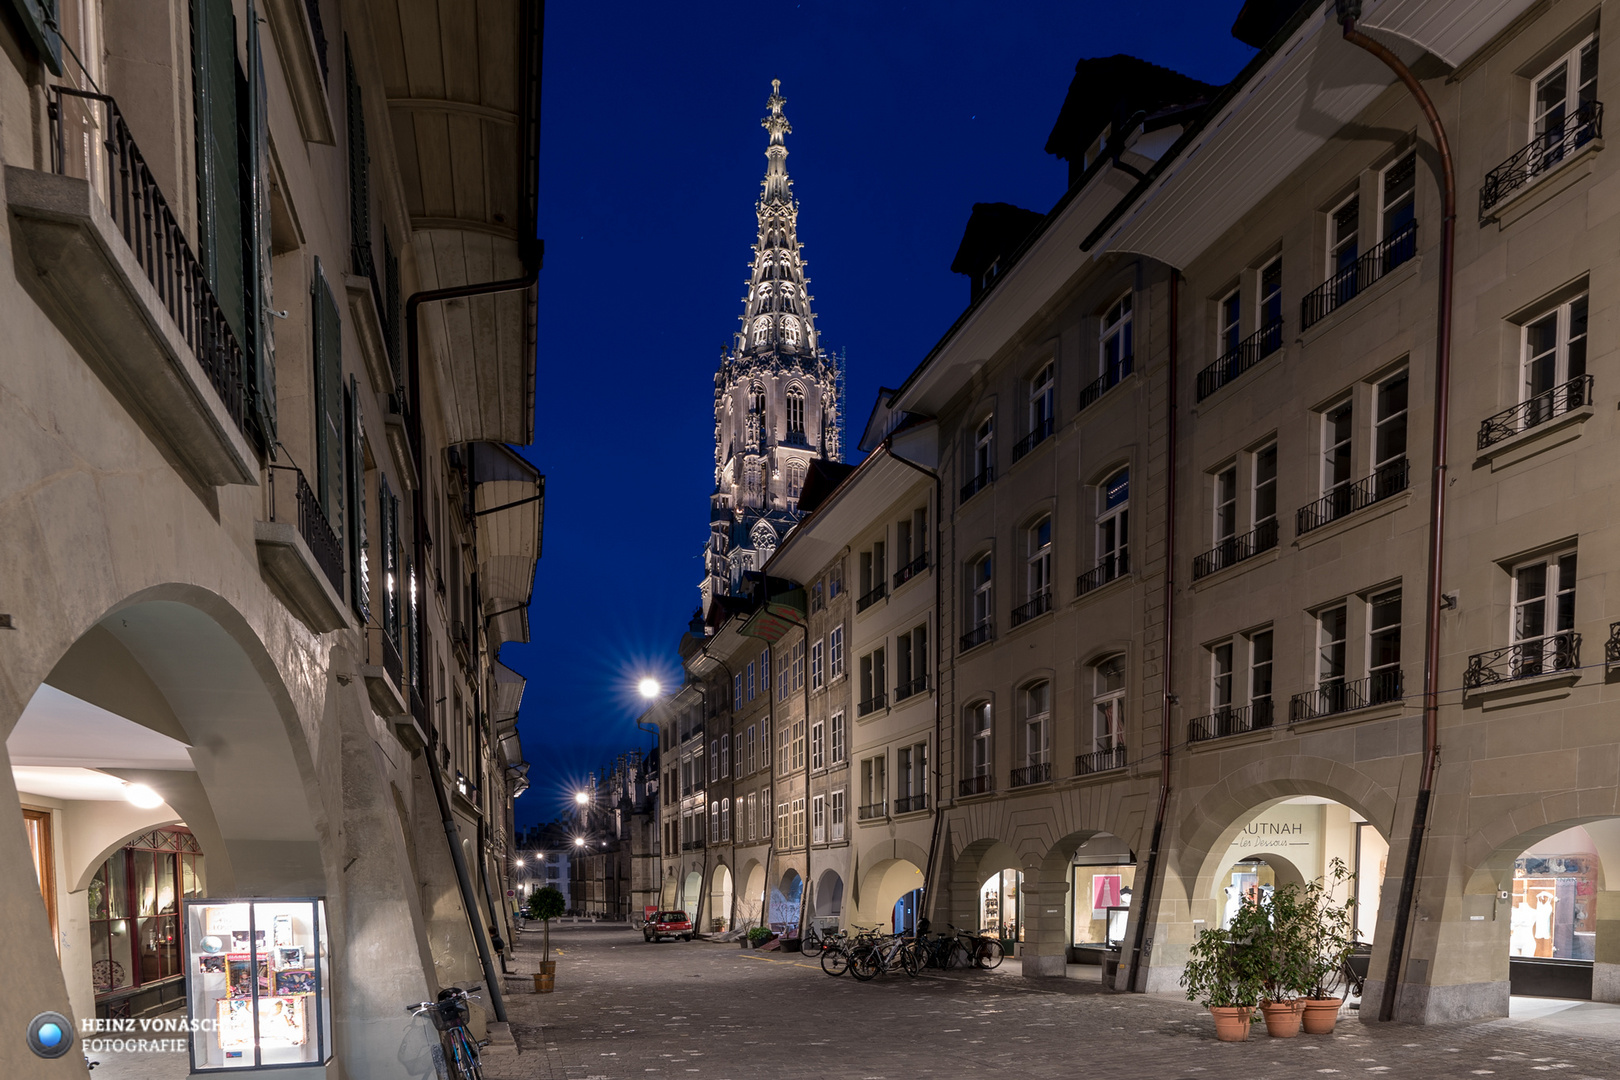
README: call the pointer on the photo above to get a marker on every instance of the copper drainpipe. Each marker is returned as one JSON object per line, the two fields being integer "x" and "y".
{"x": 1349, "y": 11}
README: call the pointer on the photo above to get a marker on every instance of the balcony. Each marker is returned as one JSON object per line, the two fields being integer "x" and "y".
{"x": 299, "y": 553}
{"x": 1100, "y": 761}
{"x": 977, "y": 636}
{"x": 1043, "y": 428}
{"x": 911, "y": 570}
{"x": 108, "y": 262}
{"x": 1107, "y": 380}
{"x": 878, "y": 593}
{"x": 1234, "y": 549}
{"x": 693, "y": 845}
{"x": 1545, "y": 153}
{"x": 1388, "y": 479}
{"x": 872, "y": 705}
{"x": 916, "y": 686}
{"x": 977, "y": 484}
{"x": 1113, "y": 566}
{"x": 1031, "y": 774}
{"x": 984, "y": 784}
{"x": 1340, "y": 696}
{"x": 1249, "y": 352}
{"x": 1525, "y": 660}
{"x": 1559, "y": 401}
{"x": 911, "y": 804}
{"x": 872, "y": 811}
{"x": 384, "y": 674}
{"x": 1040, "y": 604}
{"x": 1347, "y": 284}
{"x": 1230, "y": 720}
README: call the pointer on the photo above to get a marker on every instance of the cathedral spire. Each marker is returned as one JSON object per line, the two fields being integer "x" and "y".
{"x": 776, "y": 311}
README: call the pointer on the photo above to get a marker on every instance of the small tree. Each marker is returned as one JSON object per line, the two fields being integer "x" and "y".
{"x": 545, "y": 905}
{"x": 1225, "y": 966}
{"x": 1328, "y": 937}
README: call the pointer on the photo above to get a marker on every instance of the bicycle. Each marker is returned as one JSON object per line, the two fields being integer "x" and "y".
{"x": 815, "y": 941}
{"x": 987, "y": 949}
{"x": 870, "y": 961}
{"x": 837, "y": 950}
{"x": 449, "y": 1015}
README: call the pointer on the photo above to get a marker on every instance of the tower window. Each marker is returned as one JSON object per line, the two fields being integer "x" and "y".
{"x": 762, "y": 329}
{"x": 795, "y": 409}
{"x": 790, "y": 329}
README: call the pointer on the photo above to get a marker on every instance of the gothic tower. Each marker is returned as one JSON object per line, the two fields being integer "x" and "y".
{"x": 776, "y": 395}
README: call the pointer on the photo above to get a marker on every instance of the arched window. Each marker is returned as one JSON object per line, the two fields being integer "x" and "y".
{"x": 756, "y": 398}
{"x": 790, "y": 329}
{"x": 795, "y": 410}
{"x": 762, "y": 329}
{"x": 764, "y": 542}
{"x": 1108, "y": 713}
{"x": 979, "y": 733}
{"x": 795, "y": 478}
{"x": 1037, "y": 735}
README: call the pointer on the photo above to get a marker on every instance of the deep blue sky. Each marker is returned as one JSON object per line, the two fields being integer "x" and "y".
{"x": 904, "y": 115}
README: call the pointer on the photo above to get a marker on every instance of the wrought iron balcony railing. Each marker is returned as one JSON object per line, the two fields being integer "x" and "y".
{"x": 1341, "y": 696}
{"x": 911, "y": 570}
{"x": 1230, "y": 720}
{"x": 1524, "y": 660}
{"x": 979, "y": 785}
{"x": 1544, "y": 152}
{"x": 1347, "y": 284}
{"x": 1563, "y": 398}
{"x": 977, "y": 484}
{"x": 1234, "y": 549}
{"x": 1100, "y": 761}
{"x": 911, "y": 689}
{"x": 879, "y": 591}
{"x": 911, "y": 803}
{"x": 872, "y": 704}
{"x": 1388, "y": 479}
{"x": 1115, "y": 565}
{"x": 1611, "y": 648}
{"x": 1039, "y": 604}
{"x": 1249, "y": 352}
{"x": 1038, "y": 773}
{"x": 391, "y": 661}
{"x": 873, "y": 811}
{"x": 312, "y": 524}
{"x": 1043, "y": 428}
{"x": 1107, "y": 380}
{"x": 977, "y": 636}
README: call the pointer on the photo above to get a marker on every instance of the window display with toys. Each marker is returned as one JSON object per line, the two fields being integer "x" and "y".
{"x": 257, "y": 973}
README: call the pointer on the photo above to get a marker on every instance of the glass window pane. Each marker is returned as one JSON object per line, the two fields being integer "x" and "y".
{"x": 166, "y": 901}
{"x": 118, "y": 886}
{"x": 145, "y": 883}
{"x": 98, "y": 892}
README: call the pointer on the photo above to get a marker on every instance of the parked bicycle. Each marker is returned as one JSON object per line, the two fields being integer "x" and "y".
{"x": 818, "y": 939}
{"x": 896, "y": 950}
{"x": 838, "y": 948}
{"x": 449, "y": 1015}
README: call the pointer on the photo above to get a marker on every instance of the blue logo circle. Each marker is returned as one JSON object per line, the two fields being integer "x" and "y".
{"x": 50, "y": 1035}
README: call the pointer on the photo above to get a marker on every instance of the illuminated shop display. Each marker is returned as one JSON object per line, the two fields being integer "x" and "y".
{"x": 257, "y": 977}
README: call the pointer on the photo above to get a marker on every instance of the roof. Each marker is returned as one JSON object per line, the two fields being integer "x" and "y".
{"x": 821, "y": 481}
{"x": 1108, "y": 90}
{"x": 993, "y": 229}
{"x": 1260, "y": 20}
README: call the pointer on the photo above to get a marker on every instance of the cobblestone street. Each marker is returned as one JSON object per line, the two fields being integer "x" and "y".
{"x": 624, "y": 1009}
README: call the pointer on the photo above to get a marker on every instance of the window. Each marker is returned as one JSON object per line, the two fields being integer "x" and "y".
{"x": 795, "y": 480}
{"x": 798, "y": 745}
{"x": 796, "y": 665}
{"x": 725, "y": 755}
{"x": 725, "y": 821}
{"x": 911, "y": 656}
{"x": 1260, "y": 652}
{"x": 979, "y": 739}
{"x": 1040, "y": 403}
{"x": 1226, "y": 504}
{"x": 818, "y": 819}
{"x": 1389, "y": 432}
{"x": 1228, "y": 319}
{"x": 835, "y": 579}
{"x": 784, "y": 751}
{"x": 714, "y": 760}
{"x": 1037, "y": 723}
{"x": 983, "y": 602}
{"x": 911, "y": 778}
{"x": 984, "y": 459}
{"x": 1331, "y": 627}
{"x": 797, "y": 823}
{"x": 874, "y": 682}
{"x": 1554, "y": 359}
{"x": 839, "y": 746}
{"x": 1265, "y": 488}
{"x": 762, "y": 329}
{"x": 1565, "y": 91}
{"x": 874, "y": 786}
{"x": 1038, "y": 561}
{"x": 1116, "y": 349}
{"x": 1343, "y": 223}
{"x": 751, "y": 814}
{"x": 37, "y": 823}
{"x": 911, "y": 543}
{"x": 764, "y": 670}
{"x": 838, "y": 813}
{"x": 782, "y": 677}
{"x": 749, "y": 768}
{"x": 1108, "y": 705}
{"x": 795, "y": 398}
{"x": 751, "y": 482}
{"x": 818, "y": 745}
{"x": 1221, "y": 671}
{"x": 818, "y": 674}
{"x": 1113, "y": 525}
{"x": 765, "y": 814}
{"x": 1271, "y": 302}
{"x": 784, "y": 830}
{"x": 835, "y": 653}
{"x": 714, "y": 823}
{"x": 1384, "y": 647}
{"x": 1399, "y": 189}
{"x": 1336, "y": 432}
{"x": 790, "y": 329}
{"x": 134, "y": 901}
{"x": 1543, "y": 613}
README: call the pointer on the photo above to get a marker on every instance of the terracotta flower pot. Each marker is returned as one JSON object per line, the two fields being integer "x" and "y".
{"x": 1282, "y": 1018}
{"x": 1321, "y": 1014}
{"x": 1232, "y": 1022}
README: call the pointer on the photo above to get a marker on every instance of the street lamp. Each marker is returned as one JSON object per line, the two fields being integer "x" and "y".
{"x": 579, "y": 841}
{"x": 581, "y": 798}
{"x": 649, "y": 688}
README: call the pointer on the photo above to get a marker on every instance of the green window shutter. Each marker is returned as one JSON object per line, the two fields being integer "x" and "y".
{"x": 391, "y": 313}
{"x": 388, "y": 523}
{"x": 219, "y": 173}
{"x": 359, "y": 562}
{"x": 359, "y": 174}
{"x": 256, "y": 174}
{"x": 39, "y": 23}
{"x": 329, "y": 420}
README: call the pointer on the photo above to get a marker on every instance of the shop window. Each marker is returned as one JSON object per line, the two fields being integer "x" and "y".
{"x": 134, "y": 904}
{"x": 1100, "y": 886}
{"x": 1000, "y": 905}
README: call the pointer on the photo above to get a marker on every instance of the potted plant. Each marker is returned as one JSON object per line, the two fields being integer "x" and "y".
{"x": 1281, "y": 938}
{"x": 545, "y": 905}
{"x": 1329, "y": 940}
{"x": 758, "y": 936}
{"x": 1222, "y": 973}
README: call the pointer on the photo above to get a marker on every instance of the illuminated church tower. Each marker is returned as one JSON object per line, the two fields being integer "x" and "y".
{"x": 777, "y": 394}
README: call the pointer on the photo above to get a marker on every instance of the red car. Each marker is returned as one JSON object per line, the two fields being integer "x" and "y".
{"x": 673, "y": 924}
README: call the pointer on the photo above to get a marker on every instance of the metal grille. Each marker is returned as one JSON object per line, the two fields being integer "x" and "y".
{"x": 1348, "y": 283}
{"x": 1580, "y": 127}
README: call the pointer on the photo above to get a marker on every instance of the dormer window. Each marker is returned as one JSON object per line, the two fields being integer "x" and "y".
{"x": 990, "y": 274}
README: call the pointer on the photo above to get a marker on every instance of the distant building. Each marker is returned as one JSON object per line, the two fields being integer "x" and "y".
{"x": 614, "y": 873}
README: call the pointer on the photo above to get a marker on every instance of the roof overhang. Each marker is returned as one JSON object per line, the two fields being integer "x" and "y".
{"x": 509, "y": 687}
{"x": 509, "y": 501}
{"x": 777, "y": 616}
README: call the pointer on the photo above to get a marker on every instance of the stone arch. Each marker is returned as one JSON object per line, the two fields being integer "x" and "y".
{"x": 721, "y": 894}
{"x": 692, "y": 893}
{"x": 1489, "y": 854}
{"x": 749, "y": 894}
{"x": 886, "y": 872}
{"x": 828, "y": 898}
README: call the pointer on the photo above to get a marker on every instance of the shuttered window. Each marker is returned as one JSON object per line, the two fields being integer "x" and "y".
{"x": 216, "y": 82}
{"x": 359, "y": 175}
{"x": 359, "y": 557}
{"x": 329, "y": 418}
{"x": 39, "y": 20}
{"x": 388, "y": 528}
{"x": 261, "y": 343}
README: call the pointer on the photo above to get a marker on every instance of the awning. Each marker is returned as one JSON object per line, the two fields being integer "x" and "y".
{"x": 779, "y": 614}
{"x": 508, "y": 694}
{"x": 509, "y": 500}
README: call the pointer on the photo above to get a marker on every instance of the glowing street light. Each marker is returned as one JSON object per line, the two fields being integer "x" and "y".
{"x": 579, "y": 841}
{"x": 649, "y": 688}
{"x": 581, "y": 798}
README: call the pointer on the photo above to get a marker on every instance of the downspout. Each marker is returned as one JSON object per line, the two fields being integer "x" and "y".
{"x": 1140, "y": 943}
{"x": 809, "y": 894}
{"x": 1349, "y": 11}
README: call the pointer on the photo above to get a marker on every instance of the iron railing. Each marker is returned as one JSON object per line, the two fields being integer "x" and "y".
{"x": 872, "y": 704}
{"x": 979, "y": 785}
{"x": 1563, "y": 398}
{"x": 1115, "y": 565}
{"x": 1249, "y": 352}
{"x": 1038, "y": 773}
{"x": 1100, "y": 761}
{"x": 1524, "y": 659}
{"x": 1039, "y": 604}
{"x": 1341, "y": 695}
{"x": 105, "y": 154}
{"x": 1234, "y": 549}
{"x": 910, "y": 803}
{"x": 1230, "y": 720}
{"x": 977, "y": 484}
{"x": 872, "y": 811}
{"x": 1347, "y": 284}
{"x": 911, "y": 570}
{"x": 1611, "y": 648}
{"x": 977, "y": 636}
{"x": 312, "y": 523}
{"x": 879, "y": 591}
{"x": 1388, "y": 479}
{"x": 1107, "y": 380}
{"x": 392, "y": 663}
{"x": 910, "y": 689}
{"x": 1544, "y": 151}
{"x": 1029, "y": 442}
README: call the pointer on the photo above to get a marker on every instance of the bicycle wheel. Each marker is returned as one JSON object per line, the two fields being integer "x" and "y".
{"x": 865, "y": 964}
{"x": 911, "y": 961}
{"x": 835, "y": 961}
{"x": 989, "y": 955}
{"x": 465, "y": 1056}
{"x": 812, "y": 945}
{"x": 957, "y": 956}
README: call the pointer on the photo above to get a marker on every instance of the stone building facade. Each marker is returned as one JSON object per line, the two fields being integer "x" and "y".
{"x": 264, "y": 535}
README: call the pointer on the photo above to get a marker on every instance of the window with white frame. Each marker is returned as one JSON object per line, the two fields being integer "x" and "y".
{"x": 1270, "y": 306}
{"x": 725, "y": 821}
{"x": 818, "y": 673}
{"x": 1114, "y": 525}
{"x": 784, "y": 751}
{"x": 798, "y": 745}
{"x": 1040, "y": 402}
{"x": 818, "y": 819}
{"x": 1260, "y": 657}
{"x": 737, "y": 689}
{"x": 784, "y": 828}
{"x": 714, "y": 760}
{"x": 1221, "y": 677}
{"x": 1563, "y": 103}
{"x": 765, "y": 814}
{"x": 750, "y": 816}
{"x": 796, "y": 666}
{"x": 764, "y": 670}
{"x": 982, "y": 580}
{"x": 838, "y": 813}
{"x": 911, "y": 777}
{"x": 1264, "y": 486}
{"x": 839, "y": 741}
{"x": 818, "y": 745}
{"x": 1038, "y": 724}
{"x": 782, "y": 677}
{"x": 1229, "y": 319}
{"x": 874, "y": 786}
{"x": 911, "y": 658}
{"x": 1115, "y": 350}
{"x": 797, "y": 812}
{"x": 714, "y": 822}
{"x": 1226, "y": 492}
{"x": 1384, "y": 647}
{"x": 1398, "y": 191}
{"x": 1344, "y": 223}
{"x": 835, "y": 653}
{"x": 984, "y": 458}
{"x": 1389, "y": 432}
{"x": 1332, "y": 628}
{"x": 1337, "y": 430}
{"x": 1544, "y": 614}
{"x": 1038, "y": 558}
{"x": 749, "y": 758}
{"x": 1108, "y": 705}
{"x": 1554, "y": 365}
{"x": 748, "y": 681}
{"x": 874, "y": 683}
{"x": 725, "y": 755}
{"x": 980, "y": 743}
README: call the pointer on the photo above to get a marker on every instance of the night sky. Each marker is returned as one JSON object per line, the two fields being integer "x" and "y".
{"x": 651, "y": 158}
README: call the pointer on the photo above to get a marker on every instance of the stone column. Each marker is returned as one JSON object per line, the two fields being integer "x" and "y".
{"x": 1046, "y": 935}
{"x": 1606, "y": 968}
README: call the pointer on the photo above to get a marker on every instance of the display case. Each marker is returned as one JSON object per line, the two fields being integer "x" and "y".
{"x": 257, "y": 978}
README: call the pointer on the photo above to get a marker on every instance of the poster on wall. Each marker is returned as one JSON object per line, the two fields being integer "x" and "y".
{"x": 1104, "y": 894}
